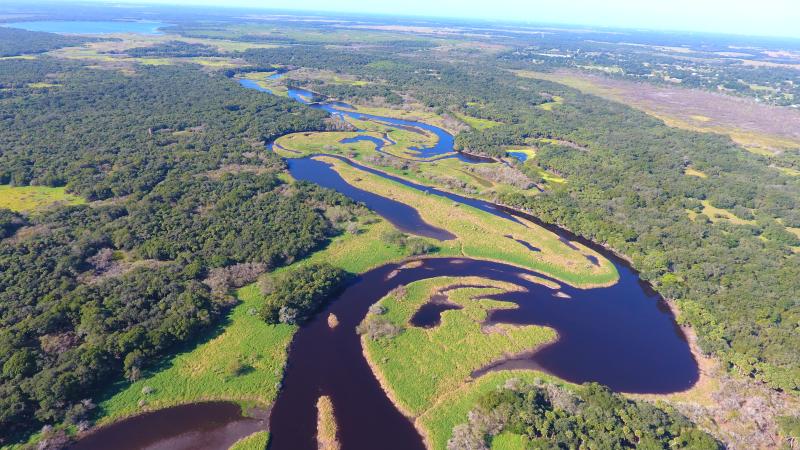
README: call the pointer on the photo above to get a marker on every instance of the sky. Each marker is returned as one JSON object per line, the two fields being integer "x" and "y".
{"x": 747, "y": 17}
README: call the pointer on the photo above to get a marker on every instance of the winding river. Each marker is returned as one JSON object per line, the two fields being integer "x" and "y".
{"x": 622, "y": 336}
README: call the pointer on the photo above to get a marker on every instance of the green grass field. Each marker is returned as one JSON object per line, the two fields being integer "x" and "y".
{"x": 30, "y": 198}
{"x": 419, "y": 366}
{"x": 482, "y": 235}
{"x": 477, "y": 123}
{"x": 256, "y": 441}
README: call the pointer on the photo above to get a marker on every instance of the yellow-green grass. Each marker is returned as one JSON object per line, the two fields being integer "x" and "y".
{"x": 555, "y": 101}
{"x": 357, "y": 253}
{"x": 694, "y": 173}
{"x": 41, "y": 85}
{"x": 204, "y": 372}
{"x": 327, "y": 76}
{"x": 510, "y": 441}
{"x": 476, "y": 123}
{"x": 326, "y": 425}
{"x": 550, "y": 177}
{"x": 420, "y": 365}
{"x": 530, "y": 152}
{"x": 789, "y": 171}
{"x": 256, "y": 441}
{"x": 211, "y": 62}
{"x": 452, "y": 408}
{"x": 717, "y": 214}
{"x": 482, "y": 235}
{"x": 29, "y": 198}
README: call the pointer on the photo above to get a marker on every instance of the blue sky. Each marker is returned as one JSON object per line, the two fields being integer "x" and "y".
{"x": 750, "y": 17}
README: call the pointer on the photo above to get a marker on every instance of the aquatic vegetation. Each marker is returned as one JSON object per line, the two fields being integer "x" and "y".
{"x": 419, "y": 365}
{"x": 256, "y": 441}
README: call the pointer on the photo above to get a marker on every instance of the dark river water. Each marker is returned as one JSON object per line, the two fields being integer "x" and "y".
{"x": 622, "y": 336}
{"x": 201, "y": 426}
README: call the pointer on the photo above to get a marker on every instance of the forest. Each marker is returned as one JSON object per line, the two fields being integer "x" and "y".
{"x": 547, "y": 416}
{"x": 89, "y": 294}
{"x": 16, "y": 42}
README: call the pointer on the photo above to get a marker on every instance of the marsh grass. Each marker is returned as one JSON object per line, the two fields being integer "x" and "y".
{"x": 420, "y": 365}
{"x": 256, "y": 441}
{"x": 483, "y": 235}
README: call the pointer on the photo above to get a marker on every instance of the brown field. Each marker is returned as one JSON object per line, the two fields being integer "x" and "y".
{"x": 759, "y": 128}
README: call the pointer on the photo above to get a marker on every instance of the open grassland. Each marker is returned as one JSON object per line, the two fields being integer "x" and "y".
{"x": 420, "y": 365}
{"x": 717, "y": 214}
{"x": 759, "y": 128}
{"x": 241, "y": 361}
{"x": 555, "y": 101}
{"x": 326, "y": 76}
{"x": 550, "y": 177}
{"x": 789, "y": 171}
{"x": 30, "y": 198}
{"x": 483, "y": 235}
{"x": 694, "y": 173}
{"x": 41, "y": 85}
{"x": 256, "y": 441}
{"x": 476, "y": 123}
{"x": 357, "y": 253}
{"x": 452, "y": 408}
{"x": 111, "y": 52}
{"x": 510, "y": 441}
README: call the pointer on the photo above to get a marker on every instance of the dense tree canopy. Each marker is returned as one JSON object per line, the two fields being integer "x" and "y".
{"x": 91, "y": 293}
{"x": 590, "y": 416}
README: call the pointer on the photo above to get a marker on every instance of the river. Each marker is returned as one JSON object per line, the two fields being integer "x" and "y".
{"x": 622, "y": 336}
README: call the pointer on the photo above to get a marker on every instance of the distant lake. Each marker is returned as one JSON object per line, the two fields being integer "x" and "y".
{"x": 99, "y": 27}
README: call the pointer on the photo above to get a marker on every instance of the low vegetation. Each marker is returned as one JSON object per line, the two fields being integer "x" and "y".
{"x": 418, "y": 366}
{"x": 256, "y": 441}
{"x": 29, "y": 198}
{"x": 326, "y": 425}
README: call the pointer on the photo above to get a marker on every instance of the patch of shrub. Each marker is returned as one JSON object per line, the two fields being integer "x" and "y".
{"x": 297, "y": 294}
